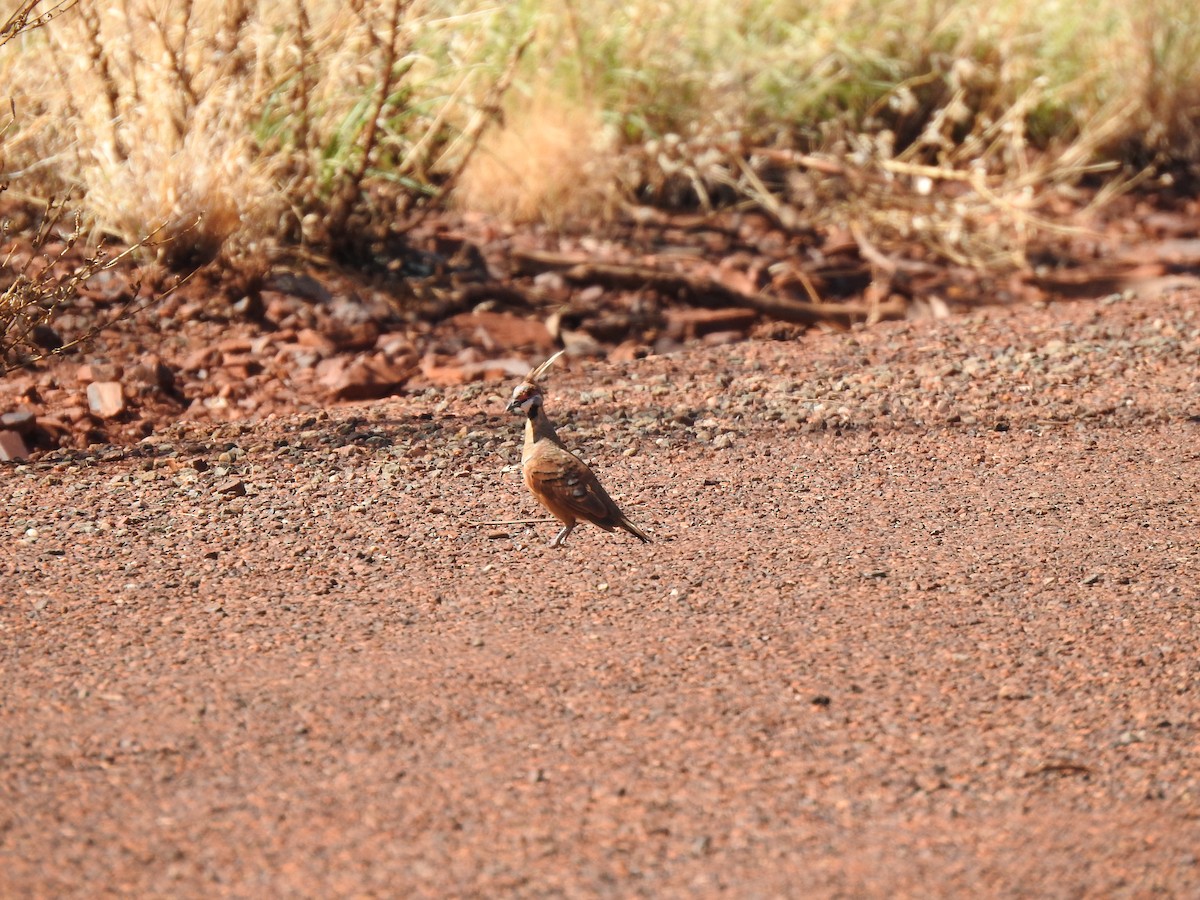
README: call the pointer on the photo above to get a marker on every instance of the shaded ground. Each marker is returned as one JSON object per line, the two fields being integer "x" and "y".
{"x": 466, "y": 299}
{"x": 921, "y": 617}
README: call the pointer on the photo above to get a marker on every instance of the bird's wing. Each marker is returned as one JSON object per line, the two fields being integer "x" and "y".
{"x": 561, "y": 479}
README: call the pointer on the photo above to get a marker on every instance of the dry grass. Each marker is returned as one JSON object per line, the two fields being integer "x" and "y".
{"x": 234, "y": 124}
{"x": 232, "y": 130}
{"x": 245, "y": 124}
{"x": 949, "y": 122}
{"x": 551, "y": 161}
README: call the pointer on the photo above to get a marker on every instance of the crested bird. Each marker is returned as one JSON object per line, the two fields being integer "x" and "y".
{"x": 557, "y": 478}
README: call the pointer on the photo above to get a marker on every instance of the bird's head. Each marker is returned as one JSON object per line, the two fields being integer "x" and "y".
{"x": 527, "y": 396}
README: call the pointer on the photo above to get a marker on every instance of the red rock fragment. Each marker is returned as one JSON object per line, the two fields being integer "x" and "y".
{"x": 99, "y": 370}
{"x": 628, "y": 351}
{"x": 464, "y": 372}
{"x": 497, "y": 330}
{"x": 684, "y": 324}
{"x": 21, "y": 421}
{"x": 314, "y": 340}
{"x": 230, "y": 486}
{"x": 105, "y": 398}
{"x": 12, "y": 446}
{"x": 353, "y": 337}
{"x": 366, "y": 378}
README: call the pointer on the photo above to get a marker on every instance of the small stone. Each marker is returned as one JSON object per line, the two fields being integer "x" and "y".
{"x": 152, "y": 374}
{"x": 367, "y": 378}
{"x": 313, "y": 340}
{"x": 1013, "y": 690}
{"x": 12, "y": 446}
{"x": 105, "y": 398}
{"x": 230, "y": 486}
{"x": 98, "y": 370}
{"x": 199, "y": 359}
{"x": 628, "y": 351}
{"x": 22, "y": 421}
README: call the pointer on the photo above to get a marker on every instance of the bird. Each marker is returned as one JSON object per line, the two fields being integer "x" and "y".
{"x": 557, "y": 478}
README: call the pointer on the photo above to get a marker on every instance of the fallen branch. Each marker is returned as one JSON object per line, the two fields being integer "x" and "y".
{"x": 888, "y": 265}
{"x": 702, "y": 290}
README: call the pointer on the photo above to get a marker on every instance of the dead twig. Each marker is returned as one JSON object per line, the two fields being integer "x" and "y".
{"x": 703, "y": 290}
{"x": 1060, "y": 768}
{"x": 889, "y": 265}
{"x": 38, "y": 292}
{"x": 27, "y": 16}
{"x": 350, "y": 190}
{"x": 488, "y": 112}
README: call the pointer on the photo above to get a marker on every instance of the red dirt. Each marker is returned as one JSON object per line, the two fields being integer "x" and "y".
{"x": 921, "y": 617}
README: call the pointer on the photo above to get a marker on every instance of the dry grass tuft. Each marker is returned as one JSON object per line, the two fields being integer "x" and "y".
{"x": 228, "y": 125}
{"x": 551, "y": 161}
{"x": 236, "y": 124}
{"x": 150, "y": 130}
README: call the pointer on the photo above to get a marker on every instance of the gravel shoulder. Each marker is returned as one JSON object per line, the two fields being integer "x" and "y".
{"x": 921, "y": 617}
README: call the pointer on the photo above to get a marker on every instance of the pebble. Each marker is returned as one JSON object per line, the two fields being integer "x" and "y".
{"x": 22, "y": 421}
{"x": 105, "y": 398}
{"x": 230, "y": 486}
{"x": 12, "y": 446}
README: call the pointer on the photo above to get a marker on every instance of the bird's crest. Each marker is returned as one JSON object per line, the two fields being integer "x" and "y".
{"x": 537, "y": 371}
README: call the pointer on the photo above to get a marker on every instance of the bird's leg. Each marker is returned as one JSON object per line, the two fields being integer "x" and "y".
{"x": 562, "y": 536}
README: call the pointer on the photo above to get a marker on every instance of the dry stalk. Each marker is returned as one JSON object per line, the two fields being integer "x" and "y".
{"x": 27, "y": 16}
{"x": 109, "y": 87}
{"x": 488, "y": 112}
{"x": 132, "y": 69}
{"x": 229, "y": 40}
{"x": 40, "y": 288}
{"x": 177, "y": 63}
{"x": 350, "y": 189}
{"x": 304, "y": 85}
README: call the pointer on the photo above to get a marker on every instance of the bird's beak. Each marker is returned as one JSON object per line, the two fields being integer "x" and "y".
{"x": 512, "y": 406}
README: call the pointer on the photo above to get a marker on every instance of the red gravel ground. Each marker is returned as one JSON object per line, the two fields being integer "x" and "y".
{"x": 921, "y": 618}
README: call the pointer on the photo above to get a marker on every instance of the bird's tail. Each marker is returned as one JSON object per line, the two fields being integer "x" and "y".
{"x": 633, "y": 529}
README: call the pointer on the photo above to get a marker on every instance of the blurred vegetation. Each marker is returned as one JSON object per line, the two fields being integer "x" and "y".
{"x": 234, "y": 128}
